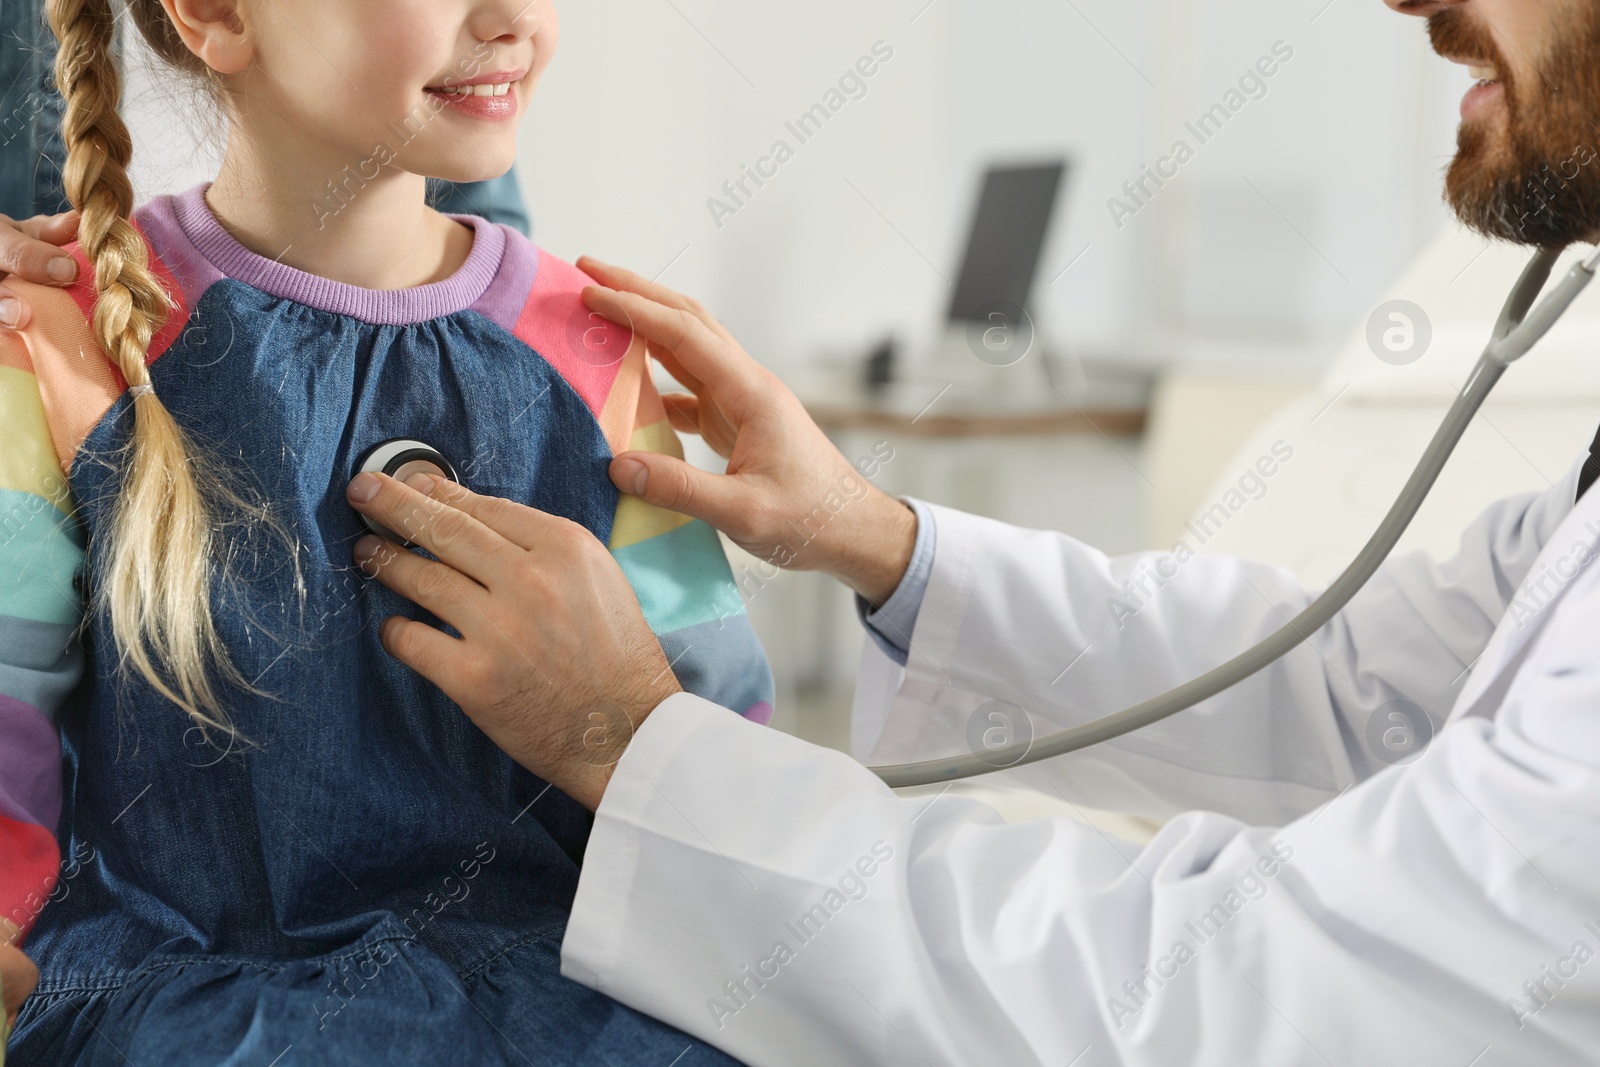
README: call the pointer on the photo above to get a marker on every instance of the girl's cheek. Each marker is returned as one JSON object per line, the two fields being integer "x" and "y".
{"x": 399, "y": 51}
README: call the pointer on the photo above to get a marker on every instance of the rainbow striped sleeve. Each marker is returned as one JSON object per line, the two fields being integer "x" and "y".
{"x": 684, "y": 584}
{"x": 676, "y": 564}
{"x": 41, "y": 550}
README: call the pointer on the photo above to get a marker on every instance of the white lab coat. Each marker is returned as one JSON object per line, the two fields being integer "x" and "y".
{"x": 1306, "y": 903}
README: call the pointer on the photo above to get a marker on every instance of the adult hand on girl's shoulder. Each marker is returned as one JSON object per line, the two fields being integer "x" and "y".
{"x": 18, "y": 975}
{"x": 555, "y": 662}
{"x": 30, "y": 250}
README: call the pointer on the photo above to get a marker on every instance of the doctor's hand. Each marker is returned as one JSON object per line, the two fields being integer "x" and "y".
{"x": 555, "y": 662}
{"x": 789, "y": 496}
{"x": 29, "y": 249}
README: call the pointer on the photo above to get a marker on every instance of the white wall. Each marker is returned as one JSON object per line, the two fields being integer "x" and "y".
{"x": 651, "y": 106}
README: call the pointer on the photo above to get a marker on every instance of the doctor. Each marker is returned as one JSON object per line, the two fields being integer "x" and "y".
{"x": 1310, "y": 900}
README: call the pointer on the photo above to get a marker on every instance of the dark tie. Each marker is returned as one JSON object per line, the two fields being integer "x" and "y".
{"x": 1591, "y": 467}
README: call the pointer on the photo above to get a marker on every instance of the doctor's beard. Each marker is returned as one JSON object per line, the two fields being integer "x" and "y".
{"x": 1534, "y": 180}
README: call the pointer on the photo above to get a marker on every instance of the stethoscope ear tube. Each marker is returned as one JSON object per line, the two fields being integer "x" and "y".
{"x": 1515, "y": 333}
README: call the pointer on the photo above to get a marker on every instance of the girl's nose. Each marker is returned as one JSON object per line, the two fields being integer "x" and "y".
{"x": 509, "y": 21}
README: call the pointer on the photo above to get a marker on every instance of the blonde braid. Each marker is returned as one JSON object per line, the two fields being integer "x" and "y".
{"x": 159, "y": 568}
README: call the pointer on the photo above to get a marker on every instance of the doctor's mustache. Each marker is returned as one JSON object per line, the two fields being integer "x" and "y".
{"x": 1538, "y": 182}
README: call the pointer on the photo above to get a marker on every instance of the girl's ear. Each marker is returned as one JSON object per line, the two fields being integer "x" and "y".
{"x": 213, "y": 31}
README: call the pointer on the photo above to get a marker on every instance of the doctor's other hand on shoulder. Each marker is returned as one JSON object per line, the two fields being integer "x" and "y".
{"x": 781, "y": 467}
{"x": 556, "y": 663}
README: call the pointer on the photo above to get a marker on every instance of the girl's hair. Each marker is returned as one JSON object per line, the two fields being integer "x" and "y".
{"x": 158, "y": 563}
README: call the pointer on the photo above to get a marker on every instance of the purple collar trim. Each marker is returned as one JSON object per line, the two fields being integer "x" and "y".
{"x": 388, "y": 307}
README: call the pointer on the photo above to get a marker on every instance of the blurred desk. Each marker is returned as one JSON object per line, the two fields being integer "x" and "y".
{"x": 866, "y": 415}
{"x": 1031, "y": 455}
{"x": 1101, "y": 397}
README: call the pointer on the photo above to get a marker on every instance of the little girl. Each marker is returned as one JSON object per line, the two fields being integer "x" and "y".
{"x": 275, "y": 844}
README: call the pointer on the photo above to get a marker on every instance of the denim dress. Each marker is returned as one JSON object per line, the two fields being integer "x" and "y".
{"x": 364, "y": 878}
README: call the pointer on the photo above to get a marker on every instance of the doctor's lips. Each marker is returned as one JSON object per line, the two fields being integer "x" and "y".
{"x": 1488, "y": 90}
{"x": 486, "y": 96}
{"x": 1458, "y": 38}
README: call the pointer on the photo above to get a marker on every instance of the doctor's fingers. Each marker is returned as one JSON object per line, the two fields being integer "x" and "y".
{"x": 683, "y": 411}
{"x": 722, "y": 500}
{"x": 441, "y": 589}
{"x": 616, "y": 277}
{"x": 610, "y": 304}
{"x": 715, "y": 366}
{"x": 688, "y": 415}
{"x": 455, "y": 537}
{"x": 525, "y": 527}
{"x": 434, "y": 654}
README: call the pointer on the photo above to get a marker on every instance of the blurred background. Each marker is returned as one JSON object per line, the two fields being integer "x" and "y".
{"x": 1176, "y": 338}
{"x": 1238, "y": 279}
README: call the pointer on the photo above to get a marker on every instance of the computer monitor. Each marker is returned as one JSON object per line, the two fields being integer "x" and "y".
{"x": 1006, "y": 238}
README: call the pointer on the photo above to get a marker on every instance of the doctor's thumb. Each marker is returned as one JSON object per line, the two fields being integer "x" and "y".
{"x": 669, "y": 482}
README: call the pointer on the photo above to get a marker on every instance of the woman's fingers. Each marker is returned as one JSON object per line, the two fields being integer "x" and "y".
{"x": 54, "y": 229}
{"x": 29, "y": 249}
{"x": 18, "y": 977}
{"x": 663, "y": 324}
{"x": 15, "y": 314}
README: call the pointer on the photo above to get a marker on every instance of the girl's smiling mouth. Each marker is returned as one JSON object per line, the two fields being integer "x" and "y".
{"x": 486, "y": 96}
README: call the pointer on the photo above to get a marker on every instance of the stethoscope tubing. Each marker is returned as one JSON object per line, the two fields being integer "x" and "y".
{"x": 1516, "y": 331}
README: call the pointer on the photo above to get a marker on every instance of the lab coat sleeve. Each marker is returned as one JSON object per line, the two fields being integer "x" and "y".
{"x": 1026, "y": 632}
{"x": 776, "y": 900}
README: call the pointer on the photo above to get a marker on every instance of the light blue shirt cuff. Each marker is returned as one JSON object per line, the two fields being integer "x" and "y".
{"x": 892, "y": 625}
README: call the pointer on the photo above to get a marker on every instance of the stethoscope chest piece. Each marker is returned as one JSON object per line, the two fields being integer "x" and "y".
{"x": 400, "y": 458}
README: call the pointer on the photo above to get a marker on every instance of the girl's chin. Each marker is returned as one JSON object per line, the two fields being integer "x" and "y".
{"x": 463, "y": 170}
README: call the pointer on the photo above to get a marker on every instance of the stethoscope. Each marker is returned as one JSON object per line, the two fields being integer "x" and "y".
{"x": 400, "y": 458}
{"x": 1516, "y": 331}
